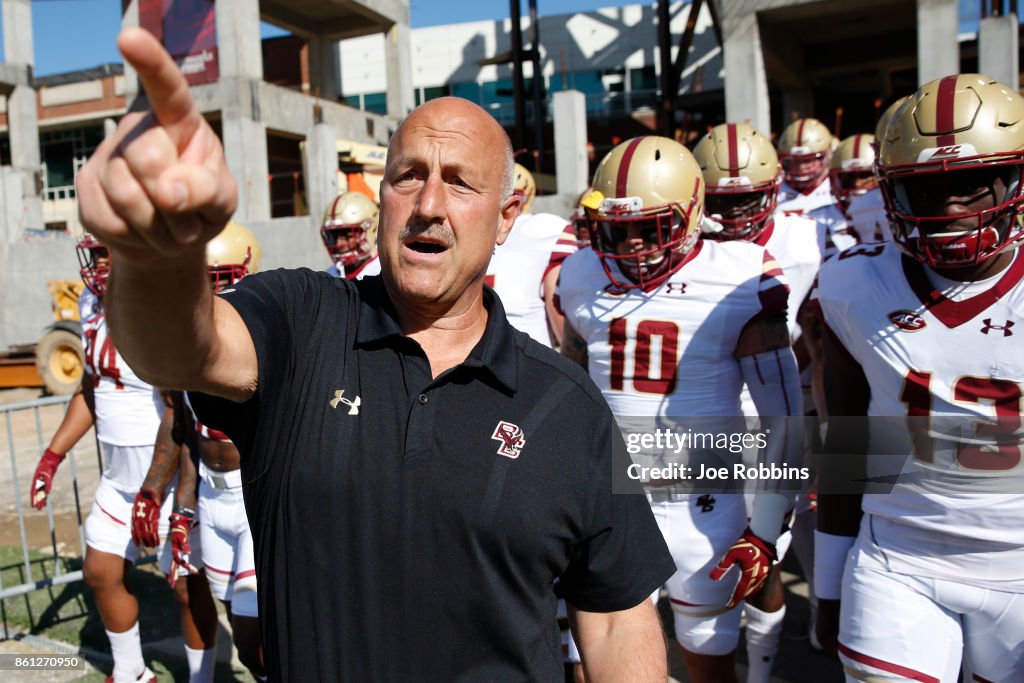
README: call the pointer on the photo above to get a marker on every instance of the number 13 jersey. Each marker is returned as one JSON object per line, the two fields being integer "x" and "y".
{"x": 953, "y": 366}
{"x": 670, "y": 351}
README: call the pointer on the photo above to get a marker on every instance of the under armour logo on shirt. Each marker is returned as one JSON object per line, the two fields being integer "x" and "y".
{"x": 353, "y": 405}
{"x": 1005, "y": 329}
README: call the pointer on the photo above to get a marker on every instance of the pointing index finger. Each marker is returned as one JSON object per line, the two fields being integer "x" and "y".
{"x": 165, "y": 85}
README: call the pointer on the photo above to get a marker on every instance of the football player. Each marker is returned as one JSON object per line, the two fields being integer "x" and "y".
{"x": 851, "y": 171}
{"x": 651, "y": 304}
{"x": 217, "y": 506}
{"x": 925, "y": 329}
{"x": 742, "y": 175}
{"x": 805, "y": 150}
{"x": 524, "y": 269}
{"x": 349, "y": 233}
{"x": 126, "y": 413}
{"x": 867, "y": 211}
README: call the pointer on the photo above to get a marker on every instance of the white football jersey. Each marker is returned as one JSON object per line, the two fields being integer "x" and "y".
{"x": 795, "y": 201}
{"x": 867, "y": 217}
{"x": 930, "y": 357}
{"x": 669, "y": 352}
{"x": 128, "y": 410}
{"x": 793, "y": 241}
{"x": 370, "y": 267}
{"x": 517, "y": 270}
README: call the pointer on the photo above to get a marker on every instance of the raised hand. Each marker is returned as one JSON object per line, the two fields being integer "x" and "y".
{"x": 160, "y": 184}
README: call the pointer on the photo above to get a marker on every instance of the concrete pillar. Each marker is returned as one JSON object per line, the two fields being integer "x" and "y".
{"x": 22, "y": 114}
{"x": 130, "y": 19}
{"x": 938, "y": 51}
{"x": 239, "y": 49}
{"x": 245, "y": 147}
{"x": 398, "y": 58}
{"x": 240, "y": 61}
{"x": 321, "y": 168}
{"x": 570, "y": 121}
{"x": 746, "y": 82}
{"x": 109, "y": 127}
{"x": 324, "y": 68}
{"x": 998, "y": 49}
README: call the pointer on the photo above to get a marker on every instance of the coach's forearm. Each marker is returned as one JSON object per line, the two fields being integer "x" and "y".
{"x": 622, "y": 646}
{"x": 160, "y": 315}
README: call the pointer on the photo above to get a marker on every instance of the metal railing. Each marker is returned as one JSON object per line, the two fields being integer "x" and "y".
{"x": 25, "y": 440}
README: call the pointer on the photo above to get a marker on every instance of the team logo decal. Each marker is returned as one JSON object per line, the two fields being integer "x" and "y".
{"x": 907, "y": 321}
{"x": 1005, "y": 328}
{"x": 511, "y": 438}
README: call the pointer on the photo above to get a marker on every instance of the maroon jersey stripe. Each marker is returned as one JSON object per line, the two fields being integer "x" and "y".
{"x": 734, "y": 162}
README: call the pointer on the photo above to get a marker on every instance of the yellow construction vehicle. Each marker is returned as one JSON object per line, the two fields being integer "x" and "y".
{"x": 57, "y": 361}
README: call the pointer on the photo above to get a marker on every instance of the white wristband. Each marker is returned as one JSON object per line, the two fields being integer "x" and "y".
{"x": 830, "y": 553}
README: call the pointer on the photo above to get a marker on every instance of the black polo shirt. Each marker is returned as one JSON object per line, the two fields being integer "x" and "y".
{"x": 412, "y": 528}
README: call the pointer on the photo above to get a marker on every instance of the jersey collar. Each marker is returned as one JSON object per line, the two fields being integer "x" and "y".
{"x": 495, "y": 353}
{"x": 955, "y": 313}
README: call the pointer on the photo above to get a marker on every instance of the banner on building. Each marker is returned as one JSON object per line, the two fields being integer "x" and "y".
{"x": 188, "y": 31}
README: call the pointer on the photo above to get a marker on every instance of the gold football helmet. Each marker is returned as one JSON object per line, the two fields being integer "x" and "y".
{"x": 956, "y": 142}
{"x": 742, "y": 177}
{"x": 885, "y": 118}
{"x": 852, "y": 168}
{"x": 579, "y": 220}
{"x": 644, "y": 213}
{"x": 805, "y": 148}
{"x": 525, "y": 186}
{"x": 231, "y": 255}
{"x": 349, "y": 229}
{"x": 94, "y": 259}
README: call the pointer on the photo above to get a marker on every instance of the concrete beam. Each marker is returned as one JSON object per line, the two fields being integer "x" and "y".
{"x": 398, "y": 58}
{"x": 18, "y": 46}
{"x": 321, "y": 157}
{"x": 324, "y": 68}
{"x": 746, "y": 83}
{"x": 938, "y": 50}
{"x": 999, "y": 49}
{"x": 571, "y": 170}
{"x": 245, "y": 147}
{"x": 239, "y": 49}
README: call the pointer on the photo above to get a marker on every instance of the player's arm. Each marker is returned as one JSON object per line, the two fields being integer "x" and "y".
{"x": 846, "y": 394}
{"x": 556, "y": 321}
{"x": 77, "y": 421}
{"x": 155, "y": 192}
{"x": 621, "y": 646}
{"x": 769, "y": 369}
{"x": 574, "y": 347}
{"x": 163, "y": 466}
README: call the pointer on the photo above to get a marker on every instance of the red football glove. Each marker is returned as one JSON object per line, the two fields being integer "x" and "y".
{"x": 42, "y": 480}
{"x": 146, "y": 518}
{"x": 754, "y": 556}
{"x": 182, "y": 521}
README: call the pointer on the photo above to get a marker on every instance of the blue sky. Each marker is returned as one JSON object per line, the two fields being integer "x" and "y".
{"x": 78, "y": 34}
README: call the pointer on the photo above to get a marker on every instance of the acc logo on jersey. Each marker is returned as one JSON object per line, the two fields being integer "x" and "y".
{"x": 908, "y": 321}
{"x": 511, "y": 438}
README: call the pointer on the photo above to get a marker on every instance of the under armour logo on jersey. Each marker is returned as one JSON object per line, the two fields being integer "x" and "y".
{"x": 1005, "y": 329}
{"x": 675, "y": 288}
{"x": 706, "y": 503}
{"x": 353, "y": 405}
{"x": 511, "y": 438}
